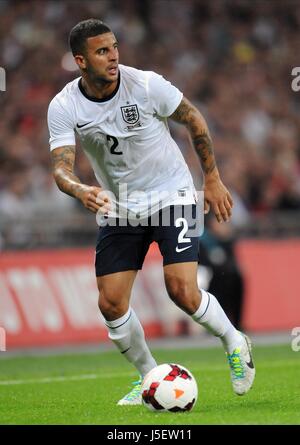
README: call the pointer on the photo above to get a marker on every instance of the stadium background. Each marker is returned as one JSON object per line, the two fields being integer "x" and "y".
{"x": 233, "y": 59}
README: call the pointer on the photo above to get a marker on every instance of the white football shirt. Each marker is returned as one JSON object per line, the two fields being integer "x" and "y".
{"x": 127, "y": 140}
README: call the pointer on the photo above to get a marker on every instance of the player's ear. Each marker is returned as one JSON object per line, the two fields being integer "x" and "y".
{"x": 80, "y": 61}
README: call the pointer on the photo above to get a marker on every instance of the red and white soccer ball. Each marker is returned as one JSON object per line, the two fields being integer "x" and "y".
{"x": 169, "y": 387}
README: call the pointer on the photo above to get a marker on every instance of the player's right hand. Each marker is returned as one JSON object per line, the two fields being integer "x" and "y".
{"x": 94, "y": 199}
{"x": 218, "y": 197}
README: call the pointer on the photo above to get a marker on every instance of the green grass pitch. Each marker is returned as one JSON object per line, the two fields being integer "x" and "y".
{"x": 84, "y": 388}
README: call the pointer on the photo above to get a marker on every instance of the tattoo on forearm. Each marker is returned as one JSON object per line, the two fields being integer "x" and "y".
{"x": 188, "y": 115}
{"x": 63, "y": 163}
{"x": 204, "y": 149}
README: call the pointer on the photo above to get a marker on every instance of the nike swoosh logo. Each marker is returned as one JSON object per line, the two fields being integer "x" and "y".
{"x": 83, "y": 125}
{"x": 123, "y": 352}
{"x": 182, "y": 249}
{"x": 250, "y": 364}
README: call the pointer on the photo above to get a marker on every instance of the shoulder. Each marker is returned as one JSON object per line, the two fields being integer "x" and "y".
{"x": 149, "y": 83}
{"x": 136, "y": 76}
{"x": 64, "y": 98}
{"x": 62, "y": 108}
{"x": 128, "y": 72}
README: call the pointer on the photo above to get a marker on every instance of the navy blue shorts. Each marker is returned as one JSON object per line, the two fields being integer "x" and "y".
{"x": 120, "y": 248}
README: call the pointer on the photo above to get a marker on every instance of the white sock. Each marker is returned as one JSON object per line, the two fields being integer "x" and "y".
{"x": 128, "y": 335}
{"x": 211, "y": 315}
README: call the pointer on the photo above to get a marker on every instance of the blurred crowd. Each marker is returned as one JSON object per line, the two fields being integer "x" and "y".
{"x": 232, "y": 58}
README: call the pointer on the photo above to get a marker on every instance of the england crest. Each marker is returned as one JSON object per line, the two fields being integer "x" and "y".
{"x": 130, "y": 114}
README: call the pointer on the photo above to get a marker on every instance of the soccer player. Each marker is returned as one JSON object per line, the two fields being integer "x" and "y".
{"x": 120, "y": 115}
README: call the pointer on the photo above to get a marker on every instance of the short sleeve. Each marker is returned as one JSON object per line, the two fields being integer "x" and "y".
{"x": 60, "y": 126}
{"x": 165, "y": 97}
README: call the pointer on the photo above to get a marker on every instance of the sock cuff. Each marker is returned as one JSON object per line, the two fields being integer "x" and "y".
{"x": 114, "y": 324}
{"x": 202, "y": 309}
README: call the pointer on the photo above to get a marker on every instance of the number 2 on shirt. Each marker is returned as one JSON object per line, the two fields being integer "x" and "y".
{"x": 114, "y": 145}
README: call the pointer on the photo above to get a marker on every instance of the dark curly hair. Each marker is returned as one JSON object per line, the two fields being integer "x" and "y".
{"x": 82, "y": 31}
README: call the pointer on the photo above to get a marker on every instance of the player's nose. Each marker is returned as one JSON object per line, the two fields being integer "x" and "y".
{"x": 113, "y": 55}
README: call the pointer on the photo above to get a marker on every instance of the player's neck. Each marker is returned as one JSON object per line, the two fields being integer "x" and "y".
{"x": 99, "y": 90}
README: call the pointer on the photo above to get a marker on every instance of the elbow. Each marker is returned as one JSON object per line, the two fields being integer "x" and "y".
{"x": 57, "y": 176}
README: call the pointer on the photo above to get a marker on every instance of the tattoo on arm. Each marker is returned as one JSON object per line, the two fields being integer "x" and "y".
{"x": 188, "y": 115}
{"x": 204, "y": 149}
{"x": 63, "y": 159}
{"x": 183, "y": 112}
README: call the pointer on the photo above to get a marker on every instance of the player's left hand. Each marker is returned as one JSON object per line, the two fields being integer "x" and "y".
{"x": 218, "y": 197}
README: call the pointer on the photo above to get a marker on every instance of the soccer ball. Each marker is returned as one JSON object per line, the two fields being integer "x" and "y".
{"x": 169, "y": 387}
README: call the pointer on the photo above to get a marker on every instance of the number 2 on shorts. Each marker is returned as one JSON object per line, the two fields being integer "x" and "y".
{"x": 181, "y": 237}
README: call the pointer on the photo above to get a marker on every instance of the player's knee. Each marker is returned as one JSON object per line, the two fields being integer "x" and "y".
{"x": 184, "y": 294}
{"x": 111, "y": 308}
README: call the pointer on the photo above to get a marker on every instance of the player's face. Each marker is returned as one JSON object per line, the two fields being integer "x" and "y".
{"x": 102, "y": 58}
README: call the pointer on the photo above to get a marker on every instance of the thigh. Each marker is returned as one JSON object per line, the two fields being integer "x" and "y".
{"x": 176, "y": 236}
{"x": 114, "y": 293}
{"x": 120, "y": 249}
{"x": 117, "y": 285}
{"x": 181, "y": 285}
{"x": 185, "y": 273}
